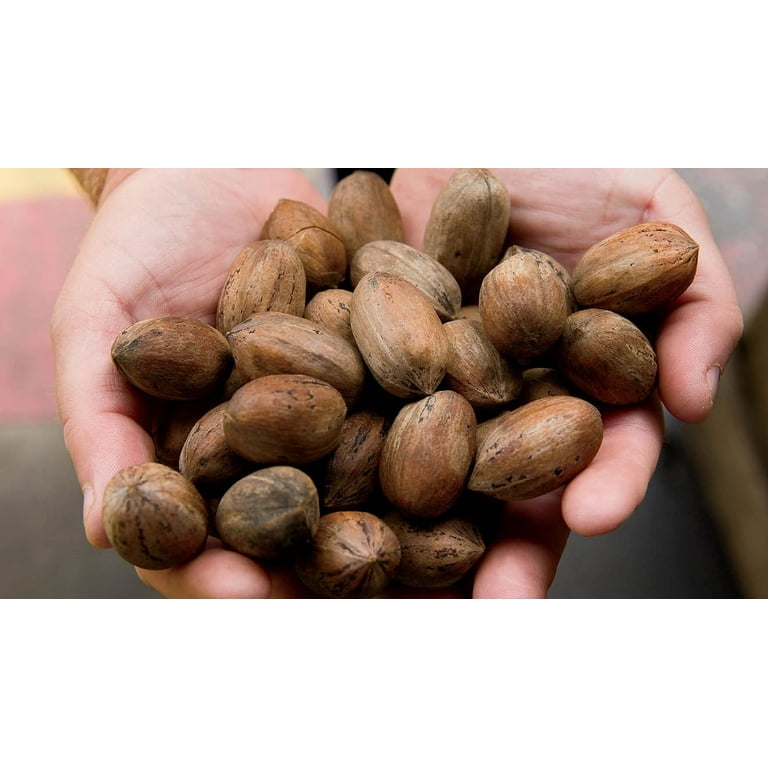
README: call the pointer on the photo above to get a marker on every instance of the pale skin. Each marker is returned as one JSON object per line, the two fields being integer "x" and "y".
{"x": 162, "y": 240}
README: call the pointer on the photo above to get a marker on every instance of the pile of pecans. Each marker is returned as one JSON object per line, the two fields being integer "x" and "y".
{"x": 362, "y": 408}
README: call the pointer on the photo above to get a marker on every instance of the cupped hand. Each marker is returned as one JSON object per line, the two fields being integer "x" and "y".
{"x": 562, "y": 212}
{"x": 161, "y": 243}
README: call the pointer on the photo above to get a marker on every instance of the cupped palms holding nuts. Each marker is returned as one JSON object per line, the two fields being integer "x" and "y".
{"x": 413, "y": 389}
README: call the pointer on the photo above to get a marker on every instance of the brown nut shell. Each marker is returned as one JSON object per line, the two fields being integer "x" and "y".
{"x": 284, "y": 419}
{"x": 435, "y": 553}
{"x": 318, "y": 245}
{"x": 275, "y": 342}
{"x": 353, "y": 555}
{"x": 636, "y": 270}
{"x": 607, "y": 357}
{"x": 399, "y": 335}
{"x": 173, "y": 358}
{"x": 362, "y": 209}
{"x": 420, "y": 270}
{"x": 267, "y": 275}
{"x": 478, "y": 371}
{"x": 330, "y": 309}
{"x": 536, "y": 448}
{"x": 523, "y": 302}
{"x": 154, "y": 517}
{"x": 468, "y": 225}
{"x": 427, "y": 454}
{"x": 351, "y": 475}
{"x": 206, "y": 457}
{"x": 270, "y": 513}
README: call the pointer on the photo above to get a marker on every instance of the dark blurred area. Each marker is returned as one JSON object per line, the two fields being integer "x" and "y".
{"x": 702, "y": 531}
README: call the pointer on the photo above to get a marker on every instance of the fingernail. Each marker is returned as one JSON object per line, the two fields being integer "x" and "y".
{"x": 713, "y": 378}
{"x": 87, "y": 503}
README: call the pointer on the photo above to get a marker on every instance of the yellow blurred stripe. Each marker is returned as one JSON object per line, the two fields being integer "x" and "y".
{"x": 31, "y": 183}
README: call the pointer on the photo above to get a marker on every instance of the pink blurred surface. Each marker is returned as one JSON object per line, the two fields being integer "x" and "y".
{"x": 38, "y": 242}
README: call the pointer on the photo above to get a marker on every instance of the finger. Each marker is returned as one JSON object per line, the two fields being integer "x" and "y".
{"x": 522, "y": 562}
{"x": 700, "y": 333}
{"x": 215, "y": 573}
{"x": 99, "y": 445}
{"x": 614, "y": 484}
{"x": 415, "y": 191}
{"x": 101, "y": 414}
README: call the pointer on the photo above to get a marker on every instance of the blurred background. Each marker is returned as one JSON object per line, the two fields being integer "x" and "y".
{"x": 702, "y": 531}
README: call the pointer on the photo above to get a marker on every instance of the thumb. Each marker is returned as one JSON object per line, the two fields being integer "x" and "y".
{"x": 702, "y": 330}
{"x": 101, "y": 414}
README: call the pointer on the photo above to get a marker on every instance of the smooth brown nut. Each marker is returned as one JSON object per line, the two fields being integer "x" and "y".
{"x": 477, "y": 369}
{"x": 420, "y": 270}
{"x": 607, "y": 357}
{"x": 524, "y": 302}
{"x": 361, "y": 209}
{"x": 468, "y": 225}
{"x": 543, "y": 382}
{"x": 267, "y": 275}
{"x": 399, "y": 335}
{"x": 351, "y": 475}
{"x": 536, "y": 448}
{"x": 636, "y": 270}
{"x": 154, "y": 517}
{"x": 206, "y": 457}
{"x": 330, "y": 308}
{"x": 274, "y": 342}
{"x": 435, "y": 553}
{"x": 353, "y": 555}
{"x": 270, "y": 513}
{"x": 318, "y": 245}
{"x": 427, "y": 454}
{"x": 284, "y": 419}
{"x": 173, "y": 358}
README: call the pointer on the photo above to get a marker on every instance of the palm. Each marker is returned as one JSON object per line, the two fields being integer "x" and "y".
{"x": 561, "y": 212}
{"x": 169, "y": 256}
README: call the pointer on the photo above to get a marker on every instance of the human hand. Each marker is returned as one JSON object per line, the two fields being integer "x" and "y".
{"x": 161, "y": 243}
{"x": 563, "y": 212}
